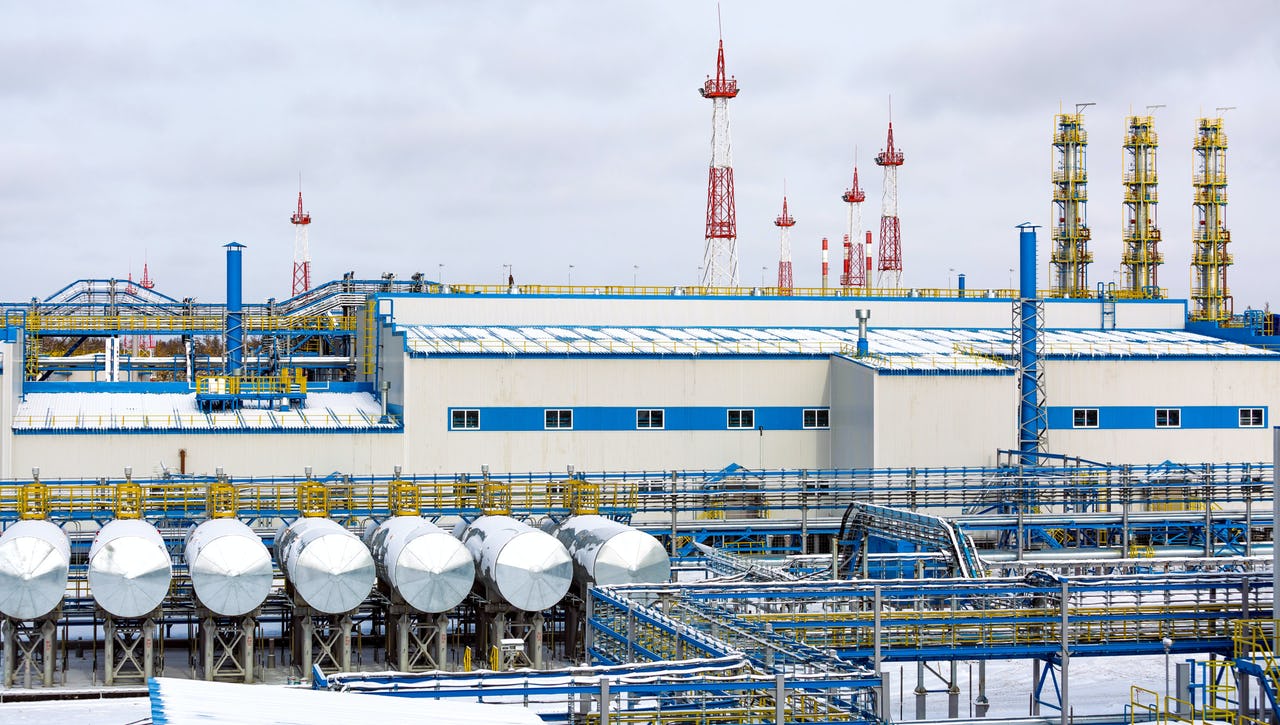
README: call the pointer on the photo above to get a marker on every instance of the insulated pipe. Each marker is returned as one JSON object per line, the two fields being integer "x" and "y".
{"x": 606, "y": 552}
{"x": 430, "y": 569}
{"x": 326, "y": 564}
{"x": 1028, "y": 340}
{"x": 230, "y": 567}
{"x": 235, "y": 308}
{"x": 527, "y": 568}
{"x": 34, "y": 557}
{"x": 129, "y": 568}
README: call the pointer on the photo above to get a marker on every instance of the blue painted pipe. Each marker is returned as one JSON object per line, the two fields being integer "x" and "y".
{"x": 235, "y": 309}
{"x": 1029, "y": 420}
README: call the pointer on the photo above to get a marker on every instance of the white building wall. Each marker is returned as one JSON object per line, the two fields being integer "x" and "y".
{"x": 765, "y": 311}
{"x": 1165, "y": 384}
{"x": 944, "y": 420}
{"x": 11, "y": 372}
{"x": 852, "y": 414}
{"x": 91, "y": 456}
{"x": 439, "y": 383}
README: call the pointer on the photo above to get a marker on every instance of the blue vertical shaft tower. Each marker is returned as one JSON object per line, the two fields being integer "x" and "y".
{"x": 235, "y": 309}
{"x": 1031, "y": 412}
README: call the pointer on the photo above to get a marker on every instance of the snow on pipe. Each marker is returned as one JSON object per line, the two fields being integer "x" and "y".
{"x": 425, "y": 565}
{"x": 606, "y": 552}
{"x": 34, "y": 557}
{"x": 230, "y": 567}
{"x": 129, "y": 568}
{"x": 527, "y": 568}
{"x": 327, "y": 565}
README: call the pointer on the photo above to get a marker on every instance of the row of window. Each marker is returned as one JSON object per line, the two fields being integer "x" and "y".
{"x": 1165, "y": 417}
{"x": 646, "y": 419}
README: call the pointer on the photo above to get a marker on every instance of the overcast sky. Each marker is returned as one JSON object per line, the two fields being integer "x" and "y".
{"x": 549, "y": 134}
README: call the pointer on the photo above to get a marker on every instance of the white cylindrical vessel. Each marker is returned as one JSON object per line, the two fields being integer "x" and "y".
{"x": 129, "y": 568}
{"x": 329, "y": 567}
{"x": 607, "y": 552}
{"x": 430, "y": 569}
{"x": 529, "y": 569}
{"x": 34, "y": 556}
{"x": 230, "y": 567}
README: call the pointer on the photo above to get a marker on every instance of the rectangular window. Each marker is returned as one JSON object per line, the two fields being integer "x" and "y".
{"x": 1251, "y": 417}
{"x": 558, "y": 419}
{"x": 650, "y": 418}
{"x": 1084, "y": 418}
{"x": 1168, "y": 417}
{"x": 817, "y": 418}
{"x": 465, "y": 420}
{"x": 739, "y": 418}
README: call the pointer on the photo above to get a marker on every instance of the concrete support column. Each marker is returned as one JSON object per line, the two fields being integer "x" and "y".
{"x": 981, "y": 704}
{"x": 953, "y": 693}
{"x": 1035, "y": 684}
{"x": 921, "y": 692}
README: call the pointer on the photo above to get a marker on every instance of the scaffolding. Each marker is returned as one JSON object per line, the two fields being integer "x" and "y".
{"x": 1070, "y": 257}
{"x": 1141, "y": 236}
{"x": 1210, "y": 296}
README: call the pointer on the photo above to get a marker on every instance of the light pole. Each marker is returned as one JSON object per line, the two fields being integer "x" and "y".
{"x": 571, "y": 275}
{"x": 1011, "y": 279}
{"x": 440, "y": 274}
{"x": 635, "y": 274}
{"x": 510, "y": 274}
{"x": 950, "y": 272}
{"x": 698, "y": 281}
{"x": 762, "y": 271}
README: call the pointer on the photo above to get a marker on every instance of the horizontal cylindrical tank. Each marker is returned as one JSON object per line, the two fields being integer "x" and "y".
{"x": 129, "y": 568}
{"x": 529, "y": 569}
{"x": 430, "y": 569}
{"x": 230, "y": 567}
{"x": 34, "y": 556}
{"x": 607, "y": 552}
{"x": 328, "y": 566}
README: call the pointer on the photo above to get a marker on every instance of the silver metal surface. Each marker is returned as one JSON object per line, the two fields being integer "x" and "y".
{"x": 527, "y": 568}
{"x": 34, "y": 556}
{"x": 430, "y": 569}
{"x": 606, "y": 552}
{"x": 230, "y": 567}
{"x": 129, "y": 568}
{"x": 328, "y": 566}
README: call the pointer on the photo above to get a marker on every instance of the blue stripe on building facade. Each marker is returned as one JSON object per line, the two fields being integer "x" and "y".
{"x": 598, "y": 418}
{"x": 1143, "y": 417}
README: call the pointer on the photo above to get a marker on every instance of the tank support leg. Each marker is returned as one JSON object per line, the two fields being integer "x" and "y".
{"x": 29, "y": 648}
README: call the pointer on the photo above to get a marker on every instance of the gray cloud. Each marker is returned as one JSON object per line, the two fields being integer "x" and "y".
{"x": 556, "y": 133}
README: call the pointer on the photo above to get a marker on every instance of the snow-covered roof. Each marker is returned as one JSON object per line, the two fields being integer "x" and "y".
{"x": 890, "y": 347}
{"x": 178, "y": 411}
{"x": 179, "y": 701}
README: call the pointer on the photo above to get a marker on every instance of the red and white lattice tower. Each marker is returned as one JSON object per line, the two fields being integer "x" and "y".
{"x": 890, "y": 267}
{"x": 854, "y": 272}
{"x": 720, "y": 257}
{"x": 301, "y": 250}
{"x": 784, "y": 223}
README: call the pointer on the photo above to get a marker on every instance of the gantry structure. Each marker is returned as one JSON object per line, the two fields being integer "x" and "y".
{"x": 1210, "y": 260}
{"x": 1141, "y": 232}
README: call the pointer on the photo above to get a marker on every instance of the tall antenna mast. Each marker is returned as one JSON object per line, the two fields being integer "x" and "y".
{"x": 890, "y": 267}
{"x": 784, "y": 222}
{"x": 301, "y": 247}
{"x": 720, "y": 254}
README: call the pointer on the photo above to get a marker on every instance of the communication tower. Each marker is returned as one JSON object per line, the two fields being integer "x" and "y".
{"x": 301, "y": 249}
{"x": 720, "y": 257}
{"x": 1141, "y": 237}
{"x": 854, "y": 271}
{"x": 1210, "y": 296}
{"x": 784, "y": 223}
{"x": 890, "y": 267}
{"x": 1070, "y": 257}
